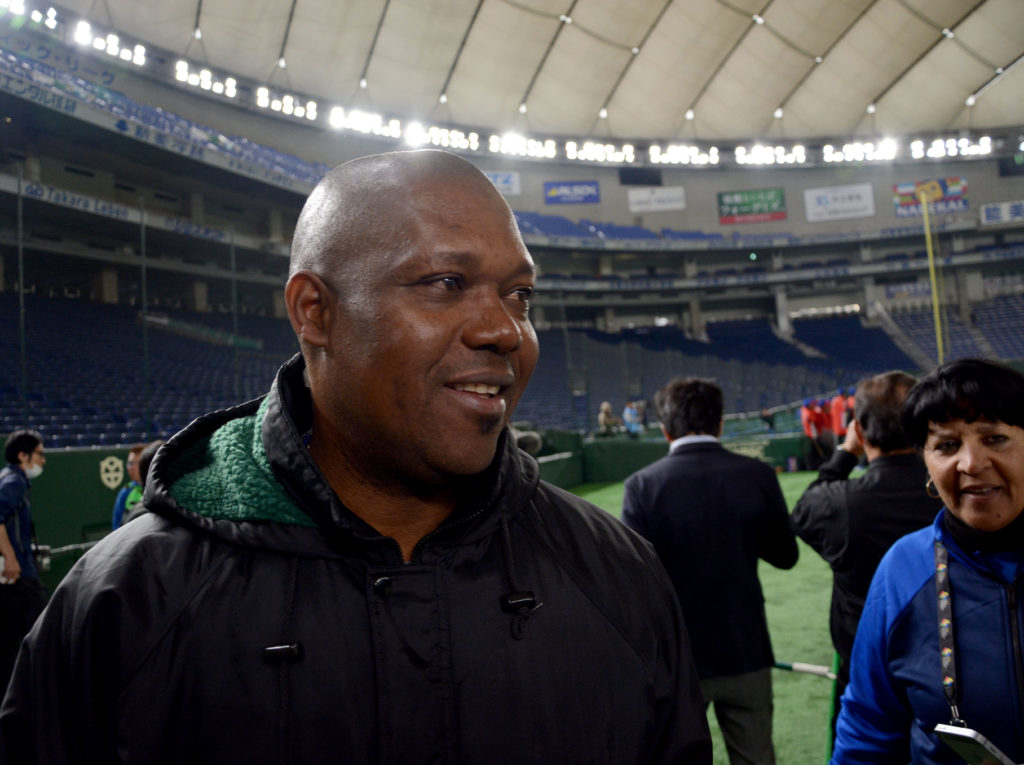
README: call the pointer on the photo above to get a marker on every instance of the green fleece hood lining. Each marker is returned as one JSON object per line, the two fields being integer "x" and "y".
{"x": 227, "y": 476}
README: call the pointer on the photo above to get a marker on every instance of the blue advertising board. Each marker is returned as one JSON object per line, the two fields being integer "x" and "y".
{"x": 571, "y": 192}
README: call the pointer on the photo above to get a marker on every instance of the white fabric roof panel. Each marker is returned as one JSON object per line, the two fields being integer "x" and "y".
{"x": 708, "y": 54}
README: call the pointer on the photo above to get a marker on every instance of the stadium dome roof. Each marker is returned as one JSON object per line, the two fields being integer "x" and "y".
{"x": 715, "y": 70}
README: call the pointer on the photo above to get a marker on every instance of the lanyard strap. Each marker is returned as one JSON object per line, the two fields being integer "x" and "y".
{"x": 946, "y": 646}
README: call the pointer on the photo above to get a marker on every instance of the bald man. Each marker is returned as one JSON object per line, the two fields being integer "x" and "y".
{"x": 361, "y": 567}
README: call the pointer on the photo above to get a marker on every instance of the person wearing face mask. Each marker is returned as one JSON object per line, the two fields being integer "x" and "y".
{"x": 22, "y": 595}
{"x": 941, "y": 638}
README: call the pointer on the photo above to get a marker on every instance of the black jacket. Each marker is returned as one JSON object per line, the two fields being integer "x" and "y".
{"x": 711, "y": 514}
{"x": 851, "y": 524}
{"x": 251, "y": 618}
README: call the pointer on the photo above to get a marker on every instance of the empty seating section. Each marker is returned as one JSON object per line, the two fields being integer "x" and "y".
{"x": 551, "y": 225}
{"x": 178, "y": 128}
{"x": 616, "y": 231}
{"x": 859, "y": 350}
{"x": 1001, "y": 320}
{"x": 691, "y": 236}
{"x": 86, "y": 376}
{"x": 754, "y": 368}
{"x": 85, "y": 372}
{"x": 919, "y": 326}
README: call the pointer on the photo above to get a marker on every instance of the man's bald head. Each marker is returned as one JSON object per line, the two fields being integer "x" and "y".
{"x": 357, "y": 208}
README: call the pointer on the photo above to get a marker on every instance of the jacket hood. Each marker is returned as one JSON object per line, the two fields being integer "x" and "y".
{"x": 245, "y": 472}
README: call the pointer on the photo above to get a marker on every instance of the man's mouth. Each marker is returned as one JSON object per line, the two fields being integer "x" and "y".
{"x": 479, "y": 388}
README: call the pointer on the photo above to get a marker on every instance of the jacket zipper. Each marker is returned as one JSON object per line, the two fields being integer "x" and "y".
{"x": 1018, "y": 657}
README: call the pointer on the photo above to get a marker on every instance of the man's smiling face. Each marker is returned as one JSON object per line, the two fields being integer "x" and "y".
{"x": 429, "y": 343}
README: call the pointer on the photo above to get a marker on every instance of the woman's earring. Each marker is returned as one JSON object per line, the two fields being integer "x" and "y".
{"x": 930, "y": 490}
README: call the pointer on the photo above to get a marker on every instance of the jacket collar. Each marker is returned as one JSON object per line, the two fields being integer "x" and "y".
{"x": 245, "y": 474}
{"x": 694, "y": 443}
{"x": 503, "y": 488}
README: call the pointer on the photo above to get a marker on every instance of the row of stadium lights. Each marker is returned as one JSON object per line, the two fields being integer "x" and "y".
{"x": 416, "y": 134}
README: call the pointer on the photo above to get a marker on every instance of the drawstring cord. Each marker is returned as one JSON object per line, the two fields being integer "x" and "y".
{"x": 520, "y": 603}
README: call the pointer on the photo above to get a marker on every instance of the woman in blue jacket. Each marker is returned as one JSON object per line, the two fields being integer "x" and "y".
{"x": 941, "y": 637}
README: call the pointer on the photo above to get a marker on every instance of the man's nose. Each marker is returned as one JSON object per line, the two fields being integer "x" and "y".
{"x": 490, "y": 324}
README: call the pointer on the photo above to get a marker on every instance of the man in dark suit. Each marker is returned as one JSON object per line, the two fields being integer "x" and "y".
{"x": 852, "y": 523}
{"x": 711, "y": 514}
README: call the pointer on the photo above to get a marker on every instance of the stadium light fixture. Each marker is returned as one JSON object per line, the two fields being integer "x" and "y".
{"x": 871, "y": 109}
{"x": 83, "y": 33}
{"x": 522, "y": 108}
{"x": 682, "y": 154}
{"x": 603, "y": 114}
{"x": 689, "y": 114}
{"x": 971, "y": 100}
{"x": 443, "y": 98}
{"x": 51, "y": 18}
{"x": 17, "y": 7}
{"x": 758, "y": 154}
{"x": 281, "y": 63}
{"x": 197, "y": 33}
{"x": 861, "y": 151}
{"x": 941, "y": 148}
{"x": 777, "y": 114}
{"x": 36, "y": 16}
{"x": 594, "y": 151}
{"x": 758, "y": 19}
{"x": 362, "y": 83}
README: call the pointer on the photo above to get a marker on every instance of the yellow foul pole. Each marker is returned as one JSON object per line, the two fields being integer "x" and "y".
{"x": 925, "y": 194}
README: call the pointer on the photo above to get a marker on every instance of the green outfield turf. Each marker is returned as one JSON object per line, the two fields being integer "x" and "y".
{"x": 797, "y": 603}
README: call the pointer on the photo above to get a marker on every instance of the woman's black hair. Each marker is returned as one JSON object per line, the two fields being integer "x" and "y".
{"x": 966, "y": 389}
{"x": 21, "y": 442}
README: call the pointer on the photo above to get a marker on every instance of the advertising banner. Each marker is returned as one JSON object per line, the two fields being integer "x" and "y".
{"x": 1002, "y": 212}
{"x": 656, "y": 199}
{"x": 945, "y": 195}
{"x": 751, "y": 206}
{"x": 508, "y": 183}
{"x": 856, "y": 200}
{"x": 571, "y": 192}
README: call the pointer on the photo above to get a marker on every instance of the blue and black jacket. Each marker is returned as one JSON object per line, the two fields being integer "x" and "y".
{"x": 895, "y": 696}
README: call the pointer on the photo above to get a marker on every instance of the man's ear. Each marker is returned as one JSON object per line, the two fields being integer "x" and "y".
{"x": 855, "y": 426}
{"x": 307, "y": 299}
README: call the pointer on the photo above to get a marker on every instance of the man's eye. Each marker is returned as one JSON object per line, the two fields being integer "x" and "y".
{"x": 449, "y": 283}
{"x": 523, "y": 293}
